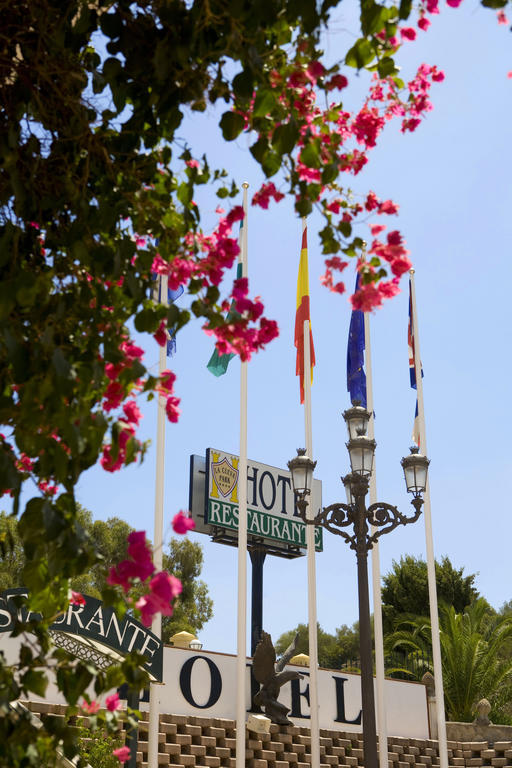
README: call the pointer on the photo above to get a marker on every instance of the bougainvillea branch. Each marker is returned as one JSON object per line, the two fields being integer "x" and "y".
{"x": 98, "y": 192}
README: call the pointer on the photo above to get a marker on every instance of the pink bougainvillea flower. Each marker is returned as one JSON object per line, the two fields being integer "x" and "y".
{"x": 315, "y": 70}
{"x": 113, "y": 702}
{"x": 25, "y": 464}
{"x": 265, "y": 192}
{"x": 163, "y": 589}
{"x": 400, "y": 265}
{"x": 192, "y": 163}
{"x": 107, "y": 461}
{"x": 76, "y": 598}
{"x": 91, "y": 707}
{"x": 395, "y": 238}
{"x": 408, "y": 33}
{"x": 138, "y": 564}
{"x": 141, "y": 554}
{"x": 167, "y": 379}
{"x": 423, "y": 23}
{"x": 388, "y": 207}
{"x": 337, "y": 81}
{"x": 366, "y": 298}
{"x": 390, "y": 288}
{"x": 371, "y": 202}
{"x": 172, "y": 410}
{"x": 132, "y": 412}
{"x": 122, "y": 754}
{"x": 410, "y": 125}
{"x": 308, "y": 174}
{"x": 161, "y": 335}
{"x": 453, "y": 3}
{"x": 47, "y": 488}
{"x": 237, "y": 213}
{"x": 131, "y": 350}
{"x": 502, "y": 17}
{"x": 334, "y": 207}
{"x": 181, "y": 523}
{"x": 114, "y": 395}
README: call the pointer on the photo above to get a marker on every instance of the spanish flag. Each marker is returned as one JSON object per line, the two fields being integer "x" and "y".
{"x": 302, "y": 315}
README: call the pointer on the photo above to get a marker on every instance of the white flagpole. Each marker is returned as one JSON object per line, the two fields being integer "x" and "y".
{"x": 310, "y": 542}
{"x": 432, "y": 588}
{"x": 242, "y": 539}
{"x": 377, "y": 599}
{"x": 156, "y": 626}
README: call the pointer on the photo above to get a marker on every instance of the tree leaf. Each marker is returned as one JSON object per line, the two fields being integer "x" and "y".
{"x": 285, "y": 137}
{"x": 36, "y": 681}
{"x": 386, "y": 67}
{"x": 404, "y": 9}
{"x": 360, "y": 54}
{"x": 264, "y": 102}
{"x": 232, "y": 125}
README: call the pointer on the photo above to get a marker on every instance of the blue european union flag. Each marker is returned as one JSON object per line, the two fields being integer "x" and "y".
{"x": 171, "y": 296}
{"x": 356, "y": 377}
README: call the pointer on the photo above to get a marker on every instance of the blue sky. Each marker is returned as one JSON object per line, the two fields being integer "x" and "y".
{"x": 451, "y": 179}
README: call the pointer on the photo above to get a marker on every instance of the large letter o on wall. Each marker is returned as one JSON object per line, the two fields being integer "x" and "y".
{"x": 215, "y": 682}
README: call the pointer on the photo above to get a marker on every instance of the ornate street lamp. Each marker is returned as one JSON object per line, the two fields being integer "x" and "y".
{"x": 301, "y": 468}
{"x": 368, "y": 524}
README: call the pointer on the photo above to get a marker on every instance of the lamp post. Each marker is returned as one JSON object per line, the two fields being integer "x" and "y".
{"x": 368, "y": 524}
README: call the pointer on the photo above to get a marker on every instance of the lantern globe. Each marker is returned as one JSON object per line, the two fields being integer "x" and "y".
{"x": 301, "y": 468}
{"x": 415, "y": 468}
{"x": 361, "y": 450}
{"x": 357, "y": 419}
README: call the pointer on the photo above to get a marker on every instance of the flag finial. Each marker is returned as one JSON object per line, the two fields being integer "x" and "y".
{"x": 245, "y": 185}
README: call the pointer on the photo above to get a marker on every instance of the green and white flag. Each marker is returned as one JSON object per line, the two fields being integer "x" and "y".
{"x": 218, "y": 364}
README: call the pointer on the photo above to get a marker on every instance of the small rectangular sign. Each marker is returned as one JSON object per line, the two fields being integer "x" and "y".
{"x": 271, "y": 512}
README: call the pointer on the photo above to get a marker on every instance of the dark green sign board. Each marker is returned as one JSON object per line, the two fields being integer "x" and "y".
{"x": 95, "y": 622}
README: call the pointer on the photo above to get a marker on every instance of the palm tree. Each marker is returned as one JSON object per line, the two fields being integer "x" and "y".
{"x": 470, "y": 650}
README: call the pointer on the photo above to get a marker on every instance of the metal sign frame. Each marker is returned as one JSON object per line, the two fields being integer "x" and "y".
{"x": 225, "y": 531}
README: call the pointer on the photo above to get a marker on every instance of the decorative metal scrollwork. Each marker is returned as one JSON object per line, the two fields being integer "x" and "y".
{"x": 381, "y": 516}
{"x": 386, "y": 517}
{"x": 336, "y": 517}
{"x": 73, "y": 646}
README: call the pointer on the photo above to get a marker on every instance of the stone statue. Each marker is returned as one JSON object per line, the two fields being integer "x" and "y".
{"x": 271, "y": 677}
{"x": 483, "y": 708}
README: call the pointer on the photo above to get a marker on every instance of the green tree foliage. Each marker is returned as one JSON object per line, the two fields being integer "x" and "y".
{"x": 96, "y": 749}
{"x": 109, "y": 538}
{"x": 11, "y": 553}
{"x": 194, "y": 606}
{"x": 333, "y": 650}
{"x": 405, "y": 589}
{"x": 473, "y": 668}
{"x": 184, "y": 559}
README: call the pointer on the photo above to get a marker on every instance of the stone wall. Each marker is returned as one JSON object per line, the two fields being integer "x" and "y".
{"x": 479, "y": 732}
{"x": 197, "y": 741}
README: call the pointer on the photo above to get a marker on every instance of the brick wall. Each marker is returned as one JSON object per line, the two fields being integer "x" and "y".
{"x": 198, "y": 741}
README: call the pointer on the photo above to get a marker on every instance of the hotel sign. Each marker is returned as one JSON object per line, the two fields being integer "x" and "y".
{"x": 272, "y": 518}
{"x": 204, "y": 684}
{"x": 95, "y": 624}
